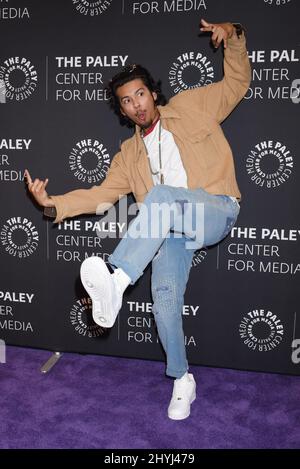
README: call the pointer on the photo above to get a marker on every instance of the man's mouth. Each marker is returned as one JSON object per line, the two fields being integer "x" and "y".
{"x": 141, "y": 116}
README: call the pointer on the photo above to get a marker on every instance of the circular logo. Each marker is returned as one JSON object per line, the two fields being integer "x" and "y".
{"x": 18, "y": 77}
{"x": 82, "y": 320}
{"x": 190, "y": 70}
{"x": 89, "y": 161}
{"x": 277, "y": 3}
{"x": 269, "y": 164}
{"x": 261, "y": 330}
{"x": 91, "y": 7}
{"x": 19, "y": 237}
{"x": 199, "y": 257}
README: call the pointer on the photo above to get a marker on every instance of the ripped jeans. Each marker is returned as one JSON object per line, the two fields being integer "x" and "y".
{"x": 198, "y": 219}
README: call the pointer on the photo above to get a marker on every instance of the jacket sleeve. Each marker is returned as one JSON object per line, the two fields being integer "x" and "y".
{"x": 97, "y": 199}
{"x": 220, "y": 98}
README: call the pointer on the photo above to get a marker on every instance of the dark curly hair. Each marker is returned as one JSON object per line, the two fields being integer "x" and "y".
{"x": 129, "y": 73}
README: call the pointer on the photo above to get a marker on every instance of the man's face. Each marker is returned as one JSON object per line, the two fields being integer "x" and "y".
{"x": 138, "y": 103}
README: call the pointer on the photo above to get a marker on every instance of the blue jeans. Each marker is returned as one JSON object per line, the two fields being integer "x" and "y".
{"x": 171, "y": 251}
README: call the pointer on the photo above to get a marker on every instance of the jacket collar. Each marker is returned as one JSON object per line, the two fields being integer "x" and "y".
{"x": 168, "y": 111}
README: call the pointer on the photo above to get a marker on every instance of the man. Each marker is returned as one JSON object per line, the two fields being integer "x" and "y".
{"x": 179, "y": 158}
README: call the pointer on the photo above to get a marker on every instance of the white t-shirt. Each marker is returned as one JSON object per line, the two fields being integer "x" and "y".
{"x": 172, "y": 167}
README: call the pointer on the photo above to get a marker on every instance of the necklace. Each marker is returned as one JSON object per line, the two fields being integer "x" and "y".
{"x": 159, "y": 156}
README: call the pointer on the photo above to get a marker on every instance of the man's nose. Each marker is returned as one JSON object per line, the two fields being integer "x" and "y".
{"x": 136, "y": 103}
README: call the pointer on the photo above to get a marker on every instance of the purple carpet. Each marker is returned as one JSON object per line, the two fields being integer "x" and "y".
{"x": 89, "y": 401}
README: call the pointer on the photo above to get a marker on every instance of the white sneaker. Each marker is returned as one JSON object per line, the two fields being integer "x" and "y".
{"x": 184, "y": 393}
{"x": 103, "y": 289}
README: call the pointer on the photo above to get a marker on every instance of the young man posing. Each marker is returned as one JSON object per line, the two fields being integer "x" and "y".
{"x": 179, "y": 158}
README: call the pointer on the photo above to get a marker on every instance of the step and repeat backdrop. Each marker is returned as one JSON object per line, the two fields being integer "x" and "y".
{"x": 242, "y": 301}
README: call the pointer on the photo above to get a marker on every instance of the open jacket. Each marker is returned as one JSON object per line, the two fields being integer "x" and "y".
{"x": 193, "y": 117}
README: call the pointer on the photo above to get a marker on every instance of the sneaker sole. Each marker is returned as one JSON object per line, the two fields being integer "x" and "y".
{"x": 96, "y": 279}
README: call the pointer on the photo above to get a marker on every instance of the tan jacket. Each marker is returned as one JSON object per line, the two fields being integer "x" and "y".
{"x": 194, "y": 118}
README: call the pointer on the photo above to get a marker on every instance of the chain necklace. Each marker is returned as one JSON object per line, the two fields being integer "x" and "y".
{"x": 159, "y": 156}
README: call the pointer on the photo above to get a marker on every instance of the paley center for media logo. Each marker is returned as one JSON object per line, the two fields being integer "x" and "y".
{"x": 8, "y": 320}
{"x": 82, "y": 78}
{"x": 19, "y": 237}
{"x": 274, "y": 75}
{"x": 91, "y": 7}
{"x": 190, "y": 70}
{"x": 167, "y": 6}
{"x": 18, "y": 79}
{"x": 8, "y": 148}
{"x": 82, "y": 320}
{"x": 89, "y": 161}
{"x": 277, "y": 3}
{"x": 199, "y": 256}
{"x": 8, "y": 12}
{"x": 261, "y": 330}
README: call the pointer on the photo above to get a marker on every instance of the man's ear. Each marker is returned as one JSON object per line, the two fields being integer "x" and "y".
{"x": 154, "y": 94}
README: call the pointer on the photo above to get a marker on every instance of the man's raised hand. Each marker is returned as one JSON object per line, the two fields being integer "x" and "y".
{"x": 38, "y": 189}
{"x": 220, "y": 32}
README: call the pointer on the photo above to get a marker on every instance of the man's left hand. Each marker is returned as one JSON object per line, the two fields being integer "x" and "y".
{"x": 220, "y": 32}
